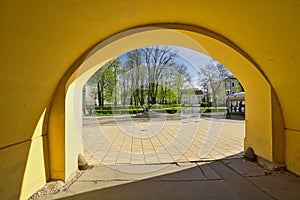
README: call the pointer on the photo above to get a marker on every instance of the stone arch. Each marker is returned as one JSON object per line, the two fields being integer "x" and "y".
{"x": 264, "y": 122}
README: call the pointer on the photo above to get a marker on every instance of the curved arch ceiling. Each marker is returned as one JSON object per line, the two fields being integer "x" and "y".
{"x": 203, "y": 41}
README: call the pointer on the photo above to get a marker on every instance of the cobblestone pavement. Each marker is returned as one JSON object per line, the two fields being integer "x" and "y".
{"x": 167, "y": 138}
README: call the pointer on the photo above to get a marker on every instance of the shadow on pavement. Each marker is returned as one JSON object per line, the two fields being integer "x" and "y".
{"x": 229, "y": 178}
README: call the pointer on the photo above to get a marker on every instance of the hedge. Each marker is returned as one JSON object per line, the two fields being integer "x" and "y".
{"x": 104, "y": 110}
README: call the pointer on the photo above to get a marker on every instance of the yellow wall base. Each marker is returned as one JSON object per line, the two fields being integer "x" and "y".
{"x": 293, "y": 150}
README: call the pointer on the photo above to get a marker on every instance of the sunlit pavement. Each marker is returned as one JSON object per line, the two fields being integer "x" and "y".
{"x": 162, "y": 138}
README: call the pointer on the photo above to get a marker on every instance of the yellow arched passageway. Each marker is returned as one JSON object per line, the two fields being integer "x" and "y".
{"x": 42, "y": 47}
{"x": 260, "y": 133}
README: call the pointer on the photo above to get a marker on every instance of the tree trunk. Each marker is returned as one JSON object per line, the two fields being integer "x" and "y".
{"x": 84, "y": 108}
{"x": 149, "y": 93}
{"x": 142, "y": 95}
{"x": 102, "y": 96}
{"x": 124, "y": 92}
{"x": 99, "y": 94}
{"x": 115, "y": 91}
{"x": 179, "y": 96}
{"x": 155, "y": 91}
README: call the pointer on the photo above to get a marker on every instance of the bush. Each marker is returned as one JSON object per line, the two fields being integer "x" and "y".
{"x": 171, "y": 110}
{"x": 213, "y": 109}
{"x": 108, "y": 110}
{"x": 111, "y": 110}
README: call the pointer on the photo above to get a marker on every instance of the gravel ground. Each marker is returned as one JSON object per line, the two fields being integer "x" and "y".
{"x": 54, "y": 187}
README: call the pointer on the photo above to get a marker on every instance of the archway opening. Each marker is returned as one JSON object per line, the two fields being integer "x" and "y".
{"x": 162, "y": 105}
{"x": 261, "y": 132}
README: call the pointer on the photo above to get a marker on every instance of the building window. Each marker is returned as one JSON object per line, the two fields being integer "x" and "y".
{"x": 232, "y": 84}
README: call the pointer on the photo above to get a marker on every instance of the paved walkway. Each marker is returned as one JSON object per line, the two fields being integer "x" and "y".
{"x": 172, "y": 157}
{"x": 160, "y": 139}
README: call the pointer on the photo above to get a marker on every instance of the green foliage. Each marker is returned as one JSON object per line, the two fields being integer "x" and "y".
{"x": 239, "y": 88}
{"x": 212, "y": 76}
{"x": 148, "y": 75}
{"x": 213, "y": 109}
{"x": 105, "y": 80}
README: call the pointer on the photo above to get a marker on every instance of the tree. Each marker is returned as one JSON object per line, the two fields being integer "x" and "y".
{"x": 134, "y": 66}
{"x": 212, "y": 76}
{"x": 141, "y": 76}
{"x": 105, "y": 81}
{"x": 174, "y": 80}
{"x": 123, "y": 84}
{"x": 182, "y": 80}
{"x": 156, "y": 59}
{"x": 239, "y": 88}
{"x": 144, "y": 69}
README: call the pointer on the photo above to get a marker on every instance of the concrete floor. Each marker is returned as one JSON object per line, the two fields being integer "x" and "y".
{"x": 172, "y": 157}
{"x": 233, "y": 178}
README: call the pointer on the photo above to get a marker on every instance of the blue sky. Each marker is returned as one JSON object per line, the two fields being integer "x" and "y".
{"x": 192, "y": 59}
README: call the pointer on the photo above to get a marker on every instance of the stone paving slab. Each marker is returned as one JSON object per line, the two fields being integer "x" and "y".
{"x": 241, "y": 186}
{"x": 245, "y": 168}
{"x": 279, "y": 186}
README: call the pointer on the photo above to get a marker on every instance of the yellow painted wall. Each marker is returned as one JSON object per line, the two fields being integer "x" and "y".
{"x": 292, "y": 150}
{"x": 73, "y": 129}
{"x": 40, "y": 41}
{"x": 35, "y": 172}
